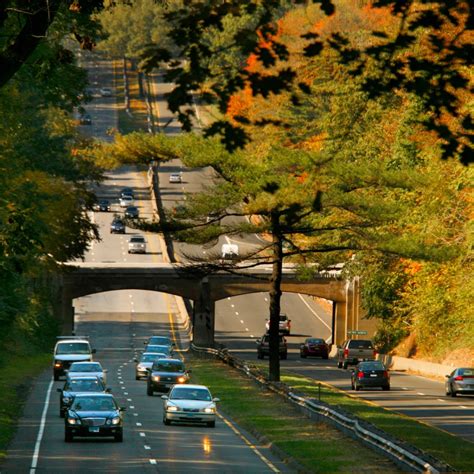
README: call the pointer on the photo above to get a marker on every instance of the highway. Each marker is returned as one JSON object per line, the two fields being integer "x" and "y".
{"x": 117, "y": 324}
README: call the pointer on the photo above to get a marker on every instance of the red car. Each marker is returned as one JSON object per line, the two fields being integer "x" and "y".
{"x": 314, "y": 346}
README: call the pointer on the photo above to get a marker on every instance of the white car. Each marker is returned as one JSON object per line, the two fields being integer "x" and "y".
{"x": 145, "y": 362}
{"x": 126, "y": 201}
{"x": 175, "y": 178}
{"x": 137, "y": 244}
{"x": 190, "y": 404}
{"x": 81, "y": 369}
{"x": 106, "y": 92}
{"x": 284, "y": 324}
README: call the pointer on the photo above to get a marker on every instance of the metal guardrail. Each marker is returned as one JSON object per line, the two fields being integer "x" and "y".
{"x": 404, "y": 457}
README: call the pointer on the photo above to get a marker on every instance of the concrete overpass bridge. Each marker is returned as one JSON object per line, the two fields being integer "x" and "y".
{"x": 204, "y": 289}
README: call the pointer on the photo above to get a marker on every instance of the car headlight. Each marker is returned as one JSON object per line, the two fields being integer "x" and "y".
{"x": 181, "y": 379}
{"x": 171, "y": 408}
{"x": 140, "y": 367}
{"x": 115, "y": 420}
{"x": 156, "y": 378}
{"x": 74, "y": 421}
{"x": 209, "y": 410}
{"x": 58, "y": 363}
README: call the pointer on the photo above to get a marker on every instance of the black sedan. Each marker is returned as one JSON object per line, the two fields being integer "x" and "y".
{"x": 76, "y": 385}
{"x": 94, "y": 415}
{"x": 370, "y": 374}
{"x": 132, "y": 212}
{"x": 102, "y": 206}
{"x": 164, "y": 374}
{"x": 117, "y": 226}
{"x": 314, "y": 347}
{"x": 460, "y": 382}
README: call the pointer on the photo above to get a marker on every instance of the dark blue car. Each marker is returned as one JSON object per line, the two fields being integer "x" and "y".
{"x": 117, "y": 226}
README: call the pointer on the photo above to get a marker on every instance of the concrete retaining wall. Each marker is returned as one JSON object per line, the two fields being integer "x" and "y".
{"x": 428, "y": 369}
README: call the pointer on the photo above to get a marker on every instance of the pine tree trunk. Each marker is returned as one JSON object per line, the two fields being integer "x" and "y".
{"x": 275, "y": 297}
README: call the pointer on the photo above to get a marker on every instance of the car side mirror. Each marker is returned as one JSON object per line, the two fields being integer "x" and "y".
{"x": 135, "y": 360}
{"x": 215, "y": 400}
{"x": 189, "y": 371}
{"x": 59, "y": 390}
{"x": 144, "y": 343}
{"x": 148, "y": 369}
{"x": 123, "y": 408}
{"x": 164, "y": 397}
{"x": 93, "y": 351}
{"x": 108, "y": 390}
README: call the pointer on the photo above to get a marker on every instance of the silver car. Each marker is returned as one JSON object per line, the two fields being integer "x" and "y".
{"x": 175, "y": 178}
{"x": 126, "y": 201}
{"x": 190, "y": 404}
{"x": 145, "y": 362}
{"x": 460, "y": 382}
{"x": 137, "y": 244}
{"x": 82, "y": 369}
{"x": 165, "y": 349}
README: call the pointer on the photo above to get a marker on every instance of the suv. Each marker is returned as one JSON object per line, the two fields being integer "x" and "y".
{"x": 68, "y": 350}
{"x": 137, "y": 244}
{"x": 354, "y": 351}
{"x": 263, "y": 347}
{"x": 284, "y": 325}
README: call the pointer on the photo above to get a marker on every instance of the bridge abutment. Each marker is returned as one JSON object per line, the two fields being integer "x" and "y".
{"x": 204, "y": 316}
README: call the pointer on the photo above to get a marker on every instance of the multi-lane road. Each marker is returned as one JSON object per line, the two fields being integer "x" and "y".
{"x": 117, "y": 322}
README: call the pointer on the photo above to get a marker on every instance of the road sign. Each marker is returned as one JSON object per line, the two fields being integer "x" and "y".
{"x": 357, "y": 333}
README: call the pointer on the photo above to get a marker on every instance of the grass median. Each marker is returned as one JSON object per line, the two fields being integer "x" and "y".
{"x": 316, "y": 446}
{"x": 453, "y": 450}
{"x": 15, "y": 372}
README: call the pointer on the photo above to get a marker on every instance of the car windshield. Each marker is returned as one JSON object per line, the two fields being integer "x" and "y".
{"x": 131, "y": 209}
{"x": 371, "y": 366}
{"x": 152, "y": 357}
{"x": 73, "y": 348}
{"x": 283, "y": 318}
{"x": 94, "y": 404}
{"x": 315, "y": 341}
{"x": 168, "y": 366}
{"x": 360, "y": 344}
{"x": 93, "y": 367}
{"x": 160, "y": 340}
{"x": 185, "y": 393}
{"x": 137, "y": 240}
{"x": 466, "y": 372}
{"x": 81, "y": 385}
{"x": 156, "y": 348}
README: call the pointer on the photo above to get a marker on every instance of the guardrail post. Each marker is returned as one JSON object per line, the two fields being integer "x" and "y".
{"x": 203, "y": 316}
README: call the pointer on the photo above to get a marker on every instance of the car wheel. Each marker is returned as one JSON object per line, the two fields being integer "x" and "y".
{"x": 56, "y": 377}
{"x": 118, "y": 437}
{"x": 352, "y": 385}
{"x": 302, "y": 355}
{"x": 68, "y": 437}
{"x": 339, "y": 365}
{"x": 284, "y": 356}
{"x": 326, "y": 357}
{"x": 386, "y": 387}
{"x": 211, "y": 424}
{"x": 166, "y": 421}
{"x": 61, "y": 413}
{"x": 259, "y": 356}
{"x": 149, "y": 391}
{"x": 137, "y": 377}
{"x": 452, "y": 392}
{"x": 357, "y": 387}
{"x": 344, "y": 365}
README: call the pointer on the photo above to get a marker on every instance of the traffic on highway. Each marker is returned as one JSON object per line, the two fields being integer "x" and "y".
{"x": 120, "y": 396}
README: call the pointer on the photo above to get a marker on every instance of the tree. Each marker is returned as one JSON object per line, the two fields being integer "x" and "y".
{"x": 436, "y": 72}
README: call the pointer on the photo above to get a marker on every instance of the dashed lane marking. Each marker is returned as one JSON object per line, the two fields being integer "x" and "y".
{"x": 142, "y": 434}
{"x": 420, "y": 393}
{"x": 138, "y": 424}
{"x": 152, "y": 461}
{"x": 147, "y": 447}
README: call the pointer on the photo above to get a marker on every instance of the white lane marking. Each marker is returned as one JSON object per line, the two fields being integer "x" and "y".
{"x": 135, "y": 414}
{"x": 147, "y": 447}
{"x": 130, "y": 296}
{"x": 132, "y": 407}
{"x": 251, "y": 335}
{"x": 236, "y": 313}
{"x": 462, "y": 406}
{"x": 419, "y": 393}
{"x": 232, "y": 305}
{"x": 228, "y": 297}
{"x": 120, "y": 380}
{"x": 152, "y": 461}
{"x": 241, "y": 321}
{"x": 34, "y": 461}
{"x": 125, "y": 393}
{"x": 248, "y": 443}
{"x": 266, "y": 299}
{"x": 404, "y": 388}
{"x": 441, "y": 400}
{"x": 142, "y": 434}
{"x": 139, "y": 424}
{"x": 314, "y": 312}
{"x": 247, "y": 329}
{"x": 129, "y": 399}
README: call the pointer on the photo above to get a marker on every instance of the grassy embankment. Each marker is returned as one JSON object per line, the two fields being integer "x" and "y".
{"x": 315, "y": 445}
{"x": 16, "y": 370}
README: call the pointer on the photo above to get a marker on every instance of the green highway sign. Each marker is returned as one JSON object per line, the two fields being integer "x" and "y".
{"x": 357, "y": 333}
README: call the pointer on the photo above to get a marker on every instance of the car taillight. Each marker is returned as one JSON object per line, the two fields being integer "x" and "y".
{"x": 385, "y": 374}
{"x": 375, "y": 354}
{"x": 459, "y": 377}
{"x": 360, "y": 375}
{"x": 346, "y": 352}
